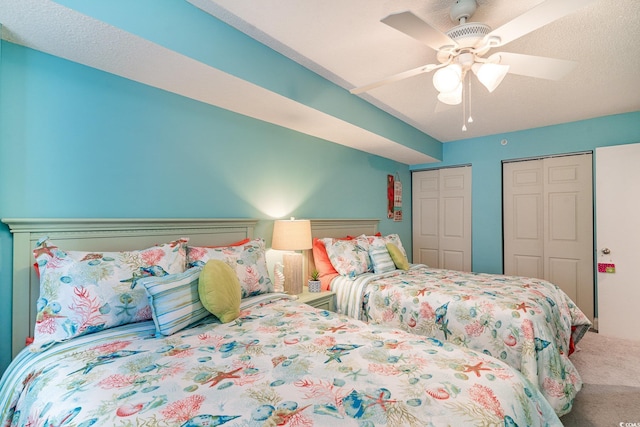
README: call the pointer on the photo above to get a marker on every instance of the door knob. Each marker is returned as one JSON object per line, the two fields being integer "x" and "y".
{"x": 606, "y": 251}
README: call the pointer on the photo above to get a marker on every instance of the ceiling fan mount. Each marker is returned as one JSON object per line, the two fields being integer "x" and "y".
{"x": 466, "y": 44}
{"x": 462, "y": 10}
{"x": 471, "y": 36}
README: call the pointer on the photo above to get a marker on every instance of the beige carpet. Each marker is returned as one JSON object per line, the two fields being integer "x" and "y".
{"x": 610, "y": 370}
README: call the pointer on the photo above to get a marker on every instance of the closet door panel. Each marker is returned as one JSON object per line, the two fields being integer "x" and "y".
{"x": 568, "y": 248}
{"x": 523, "y": 218}
{"x": 425, "y": 191}
{"x": 455, "y": 218}
{"x": 442, "y": 218}
{"x": 548, "y": 223}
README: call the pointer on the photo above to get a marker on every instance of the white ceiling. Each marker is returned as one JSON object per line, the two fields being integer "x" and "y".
{"x": 344, "y": 41}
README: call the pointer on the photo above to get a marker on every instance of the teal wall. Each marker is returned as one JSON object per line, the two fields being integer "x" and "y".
{"x": 183, "y": 28}
{"x": 487, "y": 153}
{"x": 77, "y": 142}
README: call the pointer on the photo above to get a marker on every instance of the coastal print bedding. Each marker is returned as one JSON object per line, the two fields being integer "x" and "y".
{"x": 280, "y": 363}
{"x": 85, "y": 292}
{"x": 530, "y": 324}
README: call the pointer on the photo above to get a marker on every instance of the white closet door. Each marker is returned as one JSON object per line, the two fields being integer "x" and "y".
{"x": 548, "y": 223}
{"x": 442, "y": 218}
{"x": 425, "y": 198}
{"x": 523, "y": 218}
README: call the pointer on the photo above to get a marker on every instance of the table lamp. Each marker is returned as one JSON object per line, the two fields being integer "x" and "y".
{"x": 292, "y": 235}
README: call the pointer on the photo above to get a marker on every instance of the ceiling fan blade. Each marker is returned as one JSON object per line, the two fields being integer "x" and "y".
{"x": 535, "y": 66}
{"x": 541, "y": 15}
{"x": 396, "y": 77}
{"x": 415, "y": 27}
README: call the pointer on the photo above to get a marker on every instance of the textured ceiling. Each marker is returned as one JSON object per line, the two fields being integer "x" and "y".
{"x": 57, "y": 30}
{"x": 345, "y": 42}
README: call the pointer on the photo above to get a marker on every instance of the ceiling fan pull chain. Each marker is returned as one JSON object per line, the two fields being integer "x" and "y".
{"x": 470, "y": 119}
{"x": 464, "y": 104}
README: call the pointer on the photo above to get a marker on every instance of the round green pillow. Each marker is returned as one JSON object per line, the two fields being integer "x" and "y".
{"x": 219, "y": 290}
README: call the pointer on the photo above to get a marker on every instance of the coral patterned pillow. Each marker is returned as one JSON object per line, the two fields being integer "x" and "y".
{"x": 85, "y": 292}
{"x": 349, "y": 257}
{"x": 248, "y": 260}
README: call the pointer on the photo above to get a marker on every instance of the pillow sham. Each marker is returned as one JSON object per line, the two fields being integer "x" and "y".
{"x": 349, "y": 257}
{"x": 248, "y": 260}
{"x": 85, "y": 292}
{"x": 174, "y": 300}
{"x": 219, "y": 290}
{"x": 381, "y": 260}
{"x": 399, "y": 259}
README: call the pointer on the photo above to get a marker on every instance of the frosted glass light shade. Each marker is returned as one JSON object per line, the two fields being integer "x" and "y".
{"x": 291, "y": 235}
{"x": 452, "y": 98}
{"x": 491, "y": 75}
{"x": 448, "y": 78}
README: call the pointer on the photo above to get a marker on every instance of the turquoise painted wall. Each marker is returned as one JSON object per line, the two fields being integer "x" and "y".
{"x": 486, "y": 154}
{"x": 77, "y": 142}
{"x": 182, "y": 27}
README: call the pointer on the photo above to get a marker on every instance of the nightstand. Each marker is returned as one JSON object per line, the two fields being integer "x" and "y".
{"x": 323, "y": 300}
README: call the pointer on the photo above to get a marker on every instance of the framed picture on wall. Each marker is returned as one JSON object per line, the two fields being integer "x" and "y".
{"x": 397, "y": 199}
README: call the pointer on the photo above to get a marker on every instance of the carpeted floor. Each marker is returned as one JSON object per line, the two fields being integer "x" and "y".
{"x": 610, "y": 370}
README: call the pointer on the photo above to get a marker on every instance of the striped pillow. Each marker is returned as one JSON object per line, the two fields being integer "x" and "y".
{"x": 174, "y": 300}
{"x": 381, "y": 259}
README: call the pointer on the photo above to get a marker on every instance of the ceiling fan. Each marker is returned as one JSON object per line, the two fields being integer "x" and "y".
{"x": 463, "y": 48}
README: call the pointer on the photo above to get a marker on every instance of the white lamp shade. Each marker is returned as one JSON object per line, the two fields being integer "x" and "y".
{"x": 491, "y": 75}
{"x": 452, "y": 98}
{"x": 291, "y": 235}
{"x": 448, "y": 78}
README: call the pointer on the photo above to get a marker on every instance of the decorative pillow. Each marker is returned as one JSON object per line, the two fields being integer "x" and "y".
{"x": 399, "y": 259}
{"x": 323, "y": 264}
{"x": 248, "y": 261}
{"x": 379, "y": 240}
{"x": 85, "y": 292}
{"x": 381, "y": 259}
{"x": 349, "y": 257}
{"x": 395, "y": 240}
{"x": 174, "y": 300}
{"x": 219, "y": 290}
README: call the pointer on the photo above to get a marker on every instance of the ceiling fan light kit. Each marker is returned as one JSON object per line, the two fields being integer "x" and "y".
{"x": 463, "y": 47}
{"x": 490, "y": 75}
{"x": 453, "y": 97}
{"x": 447, "y": 79}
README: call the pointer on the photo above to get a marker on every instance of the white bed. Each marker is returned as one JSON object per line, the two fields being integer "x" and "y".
{"x": 528, "y": 323}
{"x": 107, "y": 234}
{"x": 279, "y": 362}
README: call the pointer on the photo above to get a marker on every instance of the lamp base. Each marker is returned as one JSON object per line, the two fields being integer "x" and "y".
{"x": 292, "y": 273}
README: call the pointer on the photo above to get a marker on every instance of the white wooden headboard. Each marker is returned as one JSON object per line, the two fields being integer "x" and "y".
{"x": 98, "y": 234}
